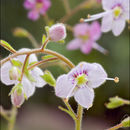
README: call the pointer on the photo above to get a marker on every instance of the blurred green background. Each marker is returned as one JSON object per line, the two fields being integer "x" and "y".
{"x": 44, "y": 102}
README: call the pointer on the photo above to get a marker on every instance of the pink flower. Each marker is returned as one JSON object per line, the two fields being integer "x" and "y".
{"x": 36, "y": 7}
{"x": 57, "y": 32}
{"x": 85, "y": 38}
{"x": 80, "y": 82}
{"x": 115, "y": 16}
{"x": 31, "y": 78}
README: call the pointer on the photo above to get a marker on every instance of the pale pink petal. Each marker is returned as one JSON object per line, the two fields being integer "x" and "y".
{"x": 21, "y": 58}
{"x": 37, "y": 73}
{"x": 4, "y": 74}
{"x": 29, "y": 4}
{"x": 84, "y": 96}
{"x": 87, "y": 47}
{"x": 107, "y": 23}
{"x": 64, "y": 87}
{"x": 96, "y": 75}
{"x": 33, "y": 15}
{"x": 95, "y": 30}
{"x": 74, "y": 44}
{"x": 28, "y": 87}
{"x": 17, "y": 100}
{"x": 45, "y": 7}
{"x": 118, "y": 26}
{"x": 108, "y": 4}
{"x": 81, "y": 29}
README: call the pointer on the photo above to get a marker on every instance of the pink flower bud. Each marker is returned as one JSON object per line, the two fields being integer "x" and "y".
{"x": 14, "y": 73}
{"x": 17, "y": 97}
{"x": 57, "y": 32}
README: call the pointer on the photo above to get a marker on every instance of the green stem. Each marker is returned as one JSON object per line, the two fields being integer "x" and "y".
{"x": 116, "y": 127}
{"x": 79, "y": 118}
{"x": 12, "y": 121}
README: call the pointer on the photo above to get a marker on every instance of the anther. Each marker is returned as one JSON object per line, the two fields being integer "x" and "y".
{"x": 116, "y": 80}
{"x": 81, "y": 20}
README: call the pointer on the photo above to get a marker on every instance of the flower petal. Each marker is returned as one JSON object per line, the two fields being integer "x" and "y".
{"x": 118, "y": 26}
{"x": 84, "y": 96}
{"x": 107, "y": 5}
{"x": 95, "y": 30}
{"x": 74, "y": 44}
{"x": 64, "y": 87}
{"x": 4, "y": 74}
{"x": 21, "y": 58}
{"x": 33, "y": 15}
{"x": 96, "y": 75}
{"x": 107, "y": 23}
{"x": 81, "y": 29}
{"x": 29, "y": 88}
{"x": 37, "y": 73}
{"x": 87, "y": 47}
{"x": 29, "y": 4}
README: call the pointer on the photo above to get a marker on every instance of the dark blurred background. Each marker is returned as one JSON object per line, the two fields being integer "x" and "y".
{"x": 40, "y": 111}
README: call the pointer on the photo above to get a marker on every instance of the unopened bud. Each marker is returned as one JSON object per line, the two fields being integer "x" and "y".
{"x": 20, "y": 32}
{"x": 17, "y": 97}
{"x": 14, "y": 73}
{"x": 57, "y": 32}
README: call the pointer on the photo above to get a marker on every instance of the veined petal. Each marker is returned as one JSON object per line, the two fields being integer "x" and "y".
{"x": 84, "y": 96}
{"x": 107, "y": 5}
{"x": 21, "y": 58}
{"x": 74, "y": 44}
{"x": 64, "y": 87}
{"x": 107, "y": 23}
{"x": 118, "y": 26}
{"x": 37, "y": 73}
{"x": 28, "y": 87}
{"x": 4, "y": 74}
{"x": 96, "y": 75}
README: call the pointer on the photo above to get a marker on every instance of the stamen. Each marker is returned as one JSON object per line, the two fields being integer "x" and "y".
{"x": 116, "y": 79}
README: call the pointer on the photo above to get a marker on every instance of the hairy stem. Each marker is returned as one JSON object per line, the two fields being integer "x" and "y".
{"x": 79, "y": 118}
{"x": 116, "y": 127}
{"x": 11, "y": 123}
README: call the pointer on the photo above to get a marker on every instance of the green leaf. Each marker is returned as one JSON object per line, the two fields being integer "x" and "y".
{"x": 115, "y": 102}
{"x": 61, "y": 41}
{"x": 48, "y": 77}
{"x": 16, "y": 63}
{"x": 47, "y": 57}
{"x": 7, "y": 46}
{"x": 126, "y": 122}
{"x": 43, "y": 39}
{"x": 32, "y": 63}
{"x": 29, "y": 76}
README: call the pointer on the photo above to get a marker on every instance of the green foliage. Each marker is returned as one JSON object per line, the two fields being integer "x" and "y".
{"x": 48, "y": 77}
{"x": 7, "y": 46}
{"x": 115, "y": 102}
{"x": 126, "y": 122}
{"x": 43, "y": 39}
{"x": 16, "y": 63}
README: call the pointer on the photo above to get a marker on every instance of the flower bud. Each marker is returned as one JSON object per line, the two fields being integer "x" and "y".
{"x": 57, "y": 32}
{"x": 14, "y": 73}
{"x": 17, "y": 97}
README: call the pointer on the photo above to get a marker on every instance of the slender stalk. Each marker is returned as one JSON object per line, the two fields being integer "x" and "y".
{"x": 116, "y": 127}
{"x": 67, "y": 6}
{"x": 79, "y": 118}
{"x": 33, "y": 40}
{"x": 45, "y": 44}
{"x": 41, "y": 62}
{"x": 12, "y": 118}
{"x": 75, "y": 10}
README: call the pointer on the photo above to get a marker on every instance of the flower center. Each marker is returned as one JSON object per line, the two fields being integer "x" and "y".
{"x": 84, "y": 38}
{"x": 39, "y": 5}
{"x": 117, "y": 11}
{"x": 81, "y": 79}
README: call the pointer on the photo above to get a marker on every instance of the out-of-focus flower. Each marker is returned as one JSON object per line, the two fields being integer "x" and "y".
{"x": 115, "y": 16}
{"x": 31, "y": 78}
{"x": 57, "y": 32}
{"x": 36, "y": 7}
{"x": 80, "y": 82}
{"x": 85, "y": 38}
